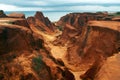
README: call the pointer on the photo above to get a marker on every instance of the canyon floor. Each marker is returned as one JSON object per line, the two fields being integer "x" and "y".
{"x": 58, "y": 52}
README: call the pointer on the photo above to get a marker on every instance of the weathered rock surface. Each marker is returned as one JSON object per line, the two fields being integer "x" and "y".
{"x": 13, "y": 36}
{"x": 22, "y": 22}
{"x": 16, "y": 15}
{"x": 106, "y": 70}
{"x": 116, "y": 18}
{"x": 108, "y": 45}
{"x": 41, "y": 23}
{"x": 24, "y": 57}
{"x": 90, "y": 41}
{"x": 99, "y": 40}
{"x": 73, "y": 24}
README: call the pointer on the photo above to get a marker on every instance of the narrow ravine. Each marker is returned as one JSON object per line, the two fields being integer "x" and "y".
{"x": 59, "y": 52}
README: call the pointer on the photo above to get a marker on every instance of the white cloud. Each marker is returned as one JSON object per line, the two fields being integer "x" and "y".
{"x": 39, "y": 2}
{"x": 7, "y": 7}
{"x": 86, "y": 1}
{"x": 94, "y": 8}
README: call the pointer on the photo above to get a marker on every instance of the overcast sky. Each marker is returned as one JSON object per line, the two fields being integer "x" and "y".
{"x": 60, "y": 5}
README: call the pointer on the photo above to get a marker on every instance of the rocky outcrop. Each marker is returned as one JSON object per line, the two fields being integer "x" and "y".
{"x": 98, "y": 41}
{"x": 79, "y": 19}
{"x": 73, "y": 24}
{"x": 16, "y": 15}
{"x": 15, "y": 43}
{"x": 116, "y": 18}
{"x": 24, "y": 57}
{"x": 15, "y": 21}
{"x": 85, "y": 39}
{"x": 90, "y": 40}
{"x": 22, "y": 22}
{"x": 41, "y": 23}
{"x": 105, "y": 70}
{"x": 99, "y": 38}
{"x": 110, "y": 69}
{"x": 2, "y": 14}
{"x": 14, "y": 36}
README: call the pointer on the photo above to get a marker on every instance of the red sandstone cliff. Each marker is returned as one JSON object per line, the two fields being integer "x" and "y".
{"x": 73, "y": 24}
{"x": 24, "y": 57}
{"x": 91, "y": 45}
{"x": 105, "y": 70}
{"x": 41, "y": 23}
{"x": 90, "y": 41}
{"x": 99, "y": 38}
{"x": 16, "y": 15}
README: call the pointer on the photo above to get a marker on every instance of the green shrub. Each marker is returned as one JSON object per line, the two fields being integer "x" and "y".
{"x": 37, "y": 63}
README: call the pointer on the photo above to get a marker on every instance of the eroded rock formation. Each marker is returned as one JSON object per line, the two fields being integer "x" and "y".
{"x": 73, "y": 24}
{"x": 16, "y": 15}
{"x": 105, "y": 70}
{"x": 24, "y": 57}
{"x": 89, "y": 40}
{"x": 41, "y": 23}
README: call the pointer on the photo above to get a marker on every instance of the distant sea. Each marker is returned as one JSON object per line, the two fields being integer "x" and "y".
{"x": 53, "y": 16}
